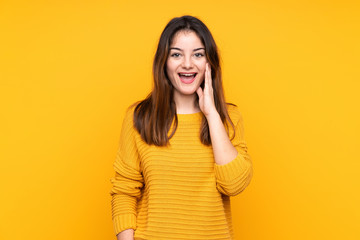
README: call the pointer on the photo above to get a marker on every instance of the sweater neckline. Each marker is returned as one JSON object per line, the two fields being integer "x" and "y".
{"x": 189, "y": 116}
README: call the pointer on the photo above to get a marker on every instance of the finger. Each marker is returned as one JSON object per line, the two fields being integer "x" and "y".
{"x": 206, "y": 77}
{"x": 209, "y": 80}
{"x": 209, "y": 71}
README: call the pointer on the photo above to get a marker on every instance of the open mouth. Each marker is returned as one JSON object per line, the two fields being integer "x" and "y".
{"x": 187, "y": 77}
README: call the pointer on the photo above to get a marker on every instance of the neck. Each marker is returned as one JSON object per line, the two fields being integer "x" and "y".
{"x": 186, "y": 104}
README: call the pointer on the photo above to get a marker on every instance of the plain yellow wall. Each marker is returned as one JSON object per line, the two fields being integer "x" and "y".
{"x": 69, "y": 69}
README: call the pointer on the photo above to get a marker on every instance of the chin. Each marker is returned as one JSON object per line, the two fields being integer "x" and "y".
{"x": 188, "y": 91}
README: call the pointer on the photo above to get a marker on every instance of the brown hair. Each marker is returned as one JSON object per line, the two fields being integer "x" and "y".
{"x": 154, "y": 116}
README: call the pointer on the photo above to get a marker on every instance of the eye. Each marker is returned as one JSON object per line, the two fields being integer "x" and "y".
{"x": 175, "y": 55}
{"x": 199, "y": 55}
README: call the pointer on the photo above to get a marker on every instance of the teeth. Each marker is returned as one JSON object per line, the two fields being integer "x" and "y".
{"x": 187, "y": 75}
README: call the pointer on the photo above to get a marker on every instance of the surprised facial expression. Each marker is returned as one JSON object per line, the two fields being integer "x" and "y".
{"x": 186, "y": 63}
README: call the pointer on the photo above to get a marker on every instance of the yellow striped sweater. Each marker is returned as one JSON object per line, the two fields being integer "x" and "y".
{"x": 177, "y": 192}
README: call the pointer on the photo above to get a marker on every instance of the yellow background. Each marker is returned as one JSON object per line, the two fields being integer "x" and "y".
{"x": 69, "y": 69}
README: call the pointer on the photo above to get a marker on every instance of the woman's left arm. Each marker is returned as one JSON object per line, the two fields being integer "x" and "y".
{"x": 233, "y": 165}
{"x": 224, "y": 151}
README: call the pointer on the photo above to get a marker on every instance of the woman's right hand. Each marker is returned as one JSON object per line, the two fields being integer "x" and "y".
{"x": 127, "y": 234}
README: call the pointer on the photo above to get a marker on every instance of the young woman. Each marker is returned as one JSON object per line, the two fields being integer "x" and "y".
{"x": 182, "y": 150}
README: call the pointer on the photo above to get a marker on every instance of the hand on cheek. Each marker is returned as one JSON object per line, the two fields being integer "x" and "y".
{"x": 206, "y": 95}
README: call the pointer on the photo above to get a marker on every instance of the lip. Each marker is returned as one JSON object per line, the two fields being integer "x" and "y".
{"x": 187, "y": 81}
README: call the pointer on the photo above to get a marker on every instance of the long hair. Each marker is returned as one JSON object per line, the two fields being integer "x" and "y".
{"x": 154, "y": 116}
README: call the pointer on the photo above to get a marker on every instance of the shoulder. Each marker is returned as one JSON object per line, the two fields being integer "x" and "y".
{"x": 234, "y": 113}
{"x": 128, "y": 121}
{"x": 130, "y": 110}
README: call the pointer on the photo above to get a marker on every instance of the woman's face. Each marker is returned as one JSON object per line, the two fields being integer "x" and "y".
{"x": 186, "y": 63}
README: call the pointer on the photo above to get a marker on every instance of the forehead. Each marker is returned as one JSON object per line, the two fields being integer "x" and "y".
{"x": 186, "y": 38}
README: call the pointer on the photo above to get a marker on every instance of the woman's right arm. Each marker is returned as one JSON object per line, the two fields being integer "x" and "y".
{"x": 127, "y": 182}
{"x": 127, "y": 234}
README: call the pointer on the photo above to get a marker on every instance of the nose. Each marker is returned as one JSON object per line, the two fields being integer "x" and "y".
{"x": 187, "y": 62}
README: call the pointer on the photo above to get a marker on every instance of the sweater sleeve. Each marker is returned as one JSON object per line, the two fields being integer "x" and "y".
{"x": 128, "y": 180}
{"x": 233, "y": 177}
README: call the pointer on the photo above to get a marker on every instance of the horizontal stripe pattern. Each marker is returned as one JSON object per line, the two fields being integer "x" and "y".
{"x": 177, "y": 191}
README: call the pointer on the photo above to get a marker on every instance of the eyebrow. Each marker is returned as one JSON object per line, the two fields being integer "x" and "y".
{"x": 196, "y": 49}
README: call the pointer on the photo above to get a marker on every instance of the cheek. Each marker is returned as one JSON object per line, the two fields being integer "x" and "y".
{"x": 202, "y": 71}
{"x": 202, "y": 67}
{"x": 170, "y": 68}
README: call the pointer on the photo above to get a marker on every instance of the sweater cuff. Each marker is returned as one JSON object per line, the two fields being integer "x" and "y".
{"x": 123, "y": 222}
{"x": 230, "y": 171}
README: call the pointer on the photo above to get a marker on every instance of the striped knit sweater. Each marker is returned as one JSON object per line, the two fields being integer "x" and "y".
{"x": 177, "y": 192}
